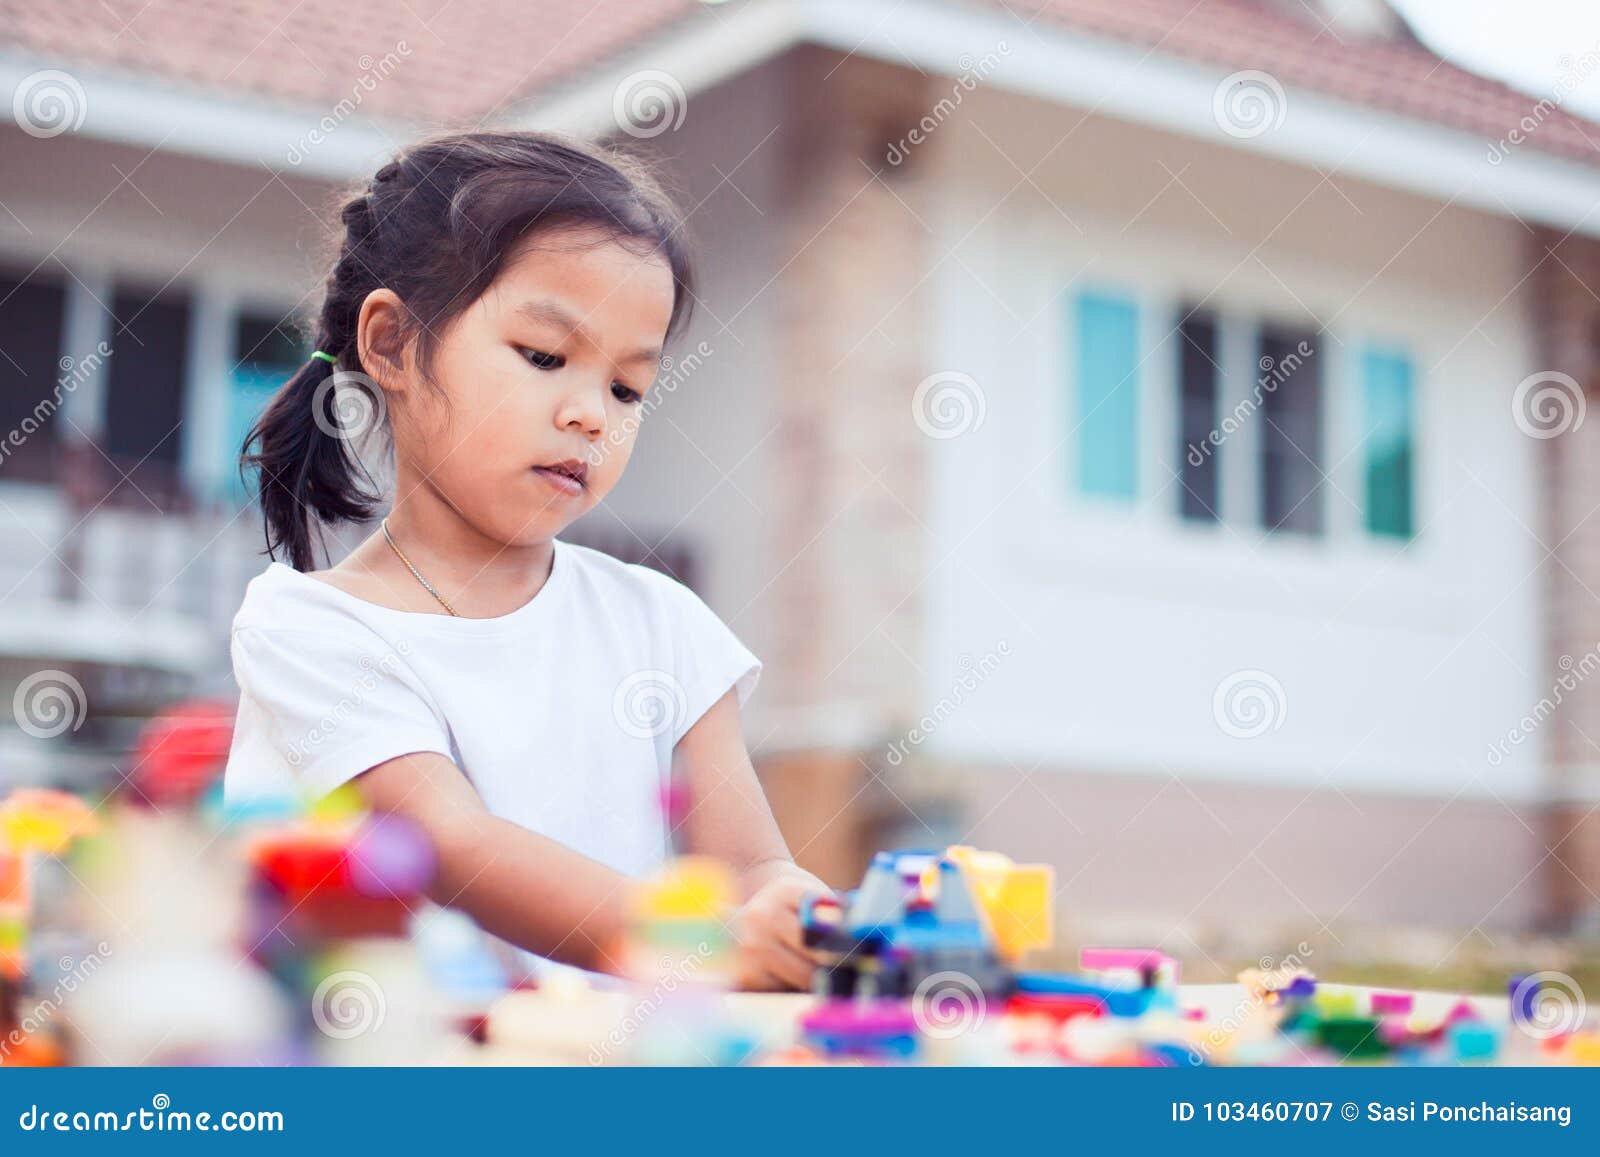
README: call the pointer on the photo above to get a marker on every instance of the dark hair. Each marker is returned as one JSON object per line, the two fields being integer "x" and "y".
{"x": 435, "y": 225}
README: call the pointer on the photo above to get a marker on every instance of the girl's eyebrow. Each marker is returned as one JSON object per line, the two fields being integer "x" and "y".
{"x": 549, "y": 313}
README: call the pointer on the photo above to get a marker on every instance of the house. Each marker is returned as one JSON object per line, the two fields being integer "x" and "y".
{"x": 1144, "y": 437}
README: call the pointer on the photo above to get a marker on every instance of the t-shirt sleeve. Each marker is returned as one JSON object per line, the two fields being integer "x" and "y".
{"x": 334, "y": 706}
{"x": 708, "y": 658}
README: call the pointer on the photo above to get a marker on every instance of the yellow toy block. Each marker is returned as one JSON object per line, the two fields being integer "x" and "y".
{"x": 1018, "y": 899}
{"x": 688, "y": 888}
{"x": 40, "y": 820}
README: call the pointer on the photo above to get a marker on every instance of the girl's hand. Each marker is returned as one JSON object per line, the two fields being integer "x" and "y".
{"x": 771, "y": 954}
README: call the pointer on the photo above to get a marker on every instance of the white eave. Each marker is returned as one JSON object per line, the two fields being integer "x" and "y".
{"x": 1042, "y": 61}
{"x": 1112, "y": 79}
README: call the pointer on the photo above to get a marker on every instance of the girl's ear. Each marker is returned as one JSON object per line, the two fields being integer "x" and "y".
{"x": 381, "y": 340}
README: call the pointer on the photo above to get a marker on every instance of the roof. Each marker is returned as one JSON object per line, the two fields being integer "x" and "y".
{"x": 438, "y": 71}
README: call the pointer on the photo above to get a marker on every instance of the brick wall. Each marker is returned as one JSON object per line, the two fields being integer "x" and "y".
{"x": 848, "y": 546}
{"x": 1567, "y": 325}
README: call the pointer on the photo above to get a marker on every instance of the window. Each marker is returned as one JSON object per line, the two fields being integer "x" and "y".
{"x": 1198, "y": 377}
{"x": 1387, "y": 420}
{"x": 267, "y": 353}
{"x": 144, "y": 395}
{"x": 31, "y": 316}
{"x": 1107, "y": 418}
{"x": 1291, "y": 431}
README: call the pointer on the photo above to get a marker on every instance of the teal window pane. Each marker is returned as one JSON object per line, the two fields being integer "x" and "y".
{"x": 1107, "y": 418}
{"x": 1389, "y": 419}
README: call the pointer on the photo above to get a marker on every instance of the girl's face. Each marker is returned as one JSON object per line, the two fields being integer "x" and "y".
{"x": 543, "y": 379}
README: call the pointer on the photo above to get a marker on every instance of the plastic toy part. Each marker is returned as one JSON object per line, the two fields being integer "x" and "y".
{"x": 180, "y": 753}
{"x": 1154, "y": 968}
{"x": 1392, "y": 1003}
{"x": 875, "y": 1029}
{"x": 1018, "y": 899}
{"x": 44, "y": 821}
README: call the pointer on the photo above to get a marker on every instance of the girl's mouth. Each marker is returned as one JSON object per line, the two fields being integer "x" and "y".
{"x": 564, "y": 476}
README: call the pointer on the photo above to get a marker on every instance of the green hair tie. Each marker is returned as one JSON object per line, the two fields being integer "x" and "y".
{"x": 329, "y": 358}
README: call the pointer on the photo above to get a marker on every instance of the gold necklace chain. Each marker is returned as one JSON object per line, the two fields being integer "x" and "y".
{"x": 426, "y": 585}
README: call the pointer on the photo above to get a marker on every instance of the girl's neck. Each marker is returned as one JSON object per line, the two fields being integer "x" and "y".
{"x": 480, "y": 576}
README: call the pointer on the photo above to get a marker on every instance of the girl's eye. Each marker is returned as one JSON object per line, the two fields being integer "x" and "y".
{"x": 544, "y": 361}
{"x": 623, "y": 394}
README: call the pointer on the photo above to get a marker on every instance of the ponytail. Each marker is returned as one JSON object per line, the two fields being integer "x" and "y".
{"x": 305, "y": 468}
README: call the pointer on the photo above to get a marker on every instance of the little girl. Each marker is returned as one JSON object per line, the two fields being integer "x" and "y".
{"x": 504, "y": 298}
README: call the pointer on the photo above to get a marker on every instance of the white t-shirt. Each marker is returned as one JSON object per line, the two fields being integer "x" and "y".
{"x": 563, "y": 714}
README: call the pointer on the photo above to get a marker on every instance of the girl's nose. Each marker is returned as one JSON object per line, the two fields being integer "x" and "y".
{"x": 585, "y": 412}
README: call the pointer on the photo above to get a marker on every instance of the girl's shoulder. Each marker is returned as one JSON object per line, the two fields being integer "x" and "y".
{"x": 281, "y": 598}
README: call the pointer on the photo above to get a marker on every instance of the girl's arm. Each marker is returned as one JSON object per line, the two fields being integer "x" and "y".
{"x": 728, "y": 817}
{"x": 517, "y": 884}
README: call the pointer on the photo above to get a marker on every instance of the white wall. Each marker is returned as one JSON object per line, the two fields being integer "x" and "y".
{"x": 1399, "y": 667}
